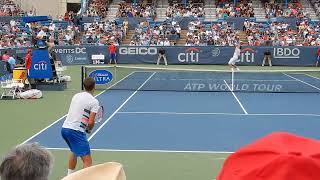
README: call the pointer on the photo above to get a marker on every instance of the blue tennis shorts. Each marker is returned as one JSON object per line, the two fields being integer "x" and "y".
{"x": 77, "y": 142}
{"x": 113, "y": 56}
{"x": 318, "y": 58}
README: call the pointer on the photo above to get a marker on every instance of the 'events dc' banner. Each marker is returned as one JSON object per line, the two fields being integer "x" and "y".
{"x": 289, "y": 56}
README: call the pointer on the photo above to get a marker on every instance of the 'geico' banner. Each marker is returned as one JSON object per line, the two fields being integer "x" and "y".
{"x": 291, "y": 55}
{"x": 40, "y": 66}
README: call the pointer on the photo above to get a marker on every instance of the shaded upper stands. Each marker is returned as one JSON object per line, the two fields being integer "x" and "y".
{"x": 243, "y": 8}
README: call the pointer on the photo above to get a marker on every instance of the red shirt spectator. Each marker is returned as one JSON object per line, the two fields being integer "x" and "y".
{"x": 28, "y": 59}
{"x": 66, "y": 17}
{"x": 112, "y": 48}
{"x": 5, "y": 56}
{"x": 318, "y": 52}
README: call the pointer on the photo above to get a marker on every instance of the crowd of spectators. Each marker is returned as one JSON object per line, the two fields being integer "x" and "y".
{"x": 142, "y": 35}
{"x": 166, "y": 33}
{"x": 163, "y": 34}
{"x": 229, "y": 9}
{"x": 101, "y": 33}
{"x": 294, "y": 9}
{"x": 136, "y": 10}
{"x": 97, "y": 8}
{"x": 275, "y": 34}
{"x": 282, "y": 34}
{"x": 310, "y": 33}
{"x": 18, "y": 34}
{"x": 219, "y": 34}
{"x": 181, "y": 10}
{"x": 66, "y": 31}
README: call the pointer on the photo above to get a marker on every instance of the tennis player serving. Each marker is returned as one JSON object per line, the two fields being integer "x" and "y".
{"x": 80, "y": 119}
{"x": 235, "y": 57}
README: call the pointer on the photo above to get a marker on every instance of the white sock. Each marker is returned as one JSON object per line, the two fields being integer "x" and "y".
{"x": 70, "y": 171}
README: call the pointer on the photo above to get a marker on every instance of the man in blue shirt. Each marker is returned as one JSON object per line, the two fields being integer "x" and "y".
{"x": 12, "y": 63}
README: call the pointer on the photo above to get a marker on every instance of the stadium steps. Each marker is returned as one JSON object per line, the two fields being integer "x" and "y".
{"x": 260, "y": 14}
{"x": 308, "y": 10}
{"x": 161, "y": 14}
{"x": 162, "y": 3}
{"x": 210, "y": 14}
{"x": 183, "y": 38}
{"x": 112, "y": 13}
{"x": 128, "y": 37}
{"x": 243, "y": 37}
{"x": 310, "y": 13}
{"x": 209, "y": 4}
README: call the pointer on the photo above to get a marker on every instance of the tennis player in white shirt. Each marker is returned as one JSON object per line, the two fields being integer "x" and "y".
{"x": 80, "y": 119}
{"x": 235, "y": 57}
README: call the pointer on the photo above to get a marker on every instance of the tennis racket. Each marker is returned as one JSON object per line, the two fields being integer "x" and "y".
{"x": 99, "y": 115}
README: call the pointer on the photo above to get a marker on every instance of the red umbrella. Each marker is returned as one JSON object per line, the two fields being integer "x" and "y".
{"x": 278, "y": 156}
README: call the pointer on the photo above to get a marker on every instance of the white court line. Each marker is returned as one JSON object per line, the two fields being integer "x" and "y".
{"x": 302, "y": 81}
{"x": 67, "y": 114}
{"x": 151, "y": 151}
{"x": 115, "y": 112}
{"x": 212, "y": 113}
{"x": 234, "y": 95}
{"x": 246, "y": 80}
{"x": 311, "y": 76}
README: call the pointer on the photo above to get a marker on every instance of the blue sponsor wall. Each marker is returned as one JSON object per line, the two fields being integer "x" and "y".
{"x": 81, "y": 55}
{"x": 287, "y": 56}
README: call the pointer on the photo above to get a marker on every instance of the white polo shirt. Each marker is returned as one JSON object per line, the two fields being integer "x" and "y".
{"x": 82, "y": 104}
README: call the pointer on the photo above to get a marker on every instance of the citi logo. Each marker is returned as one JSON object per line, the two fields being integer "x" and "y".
{"x": 190, "y": 55}
{"x": 247, "y": 55}
{"x": 41, "y": 65}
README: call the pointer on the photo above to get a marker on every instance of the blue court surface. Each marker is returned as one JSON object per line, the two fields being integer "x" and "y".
{"x": 180, "y": 121}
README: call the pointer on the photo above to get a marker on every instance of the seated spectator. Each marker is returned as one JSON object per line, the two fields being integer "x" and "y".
{"x": 26, "y": 162}
{"x": 5, "y": 56}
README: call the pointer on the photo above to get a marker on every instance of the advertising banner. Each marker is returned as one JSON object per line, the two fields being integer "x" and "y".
{"x": 281, "y": 55}
{"x": 41, "y": 66}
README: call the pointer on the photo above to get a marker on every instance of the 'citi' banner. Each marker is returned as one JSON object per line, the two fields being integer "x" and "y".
{"x": 41, "y": 67}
